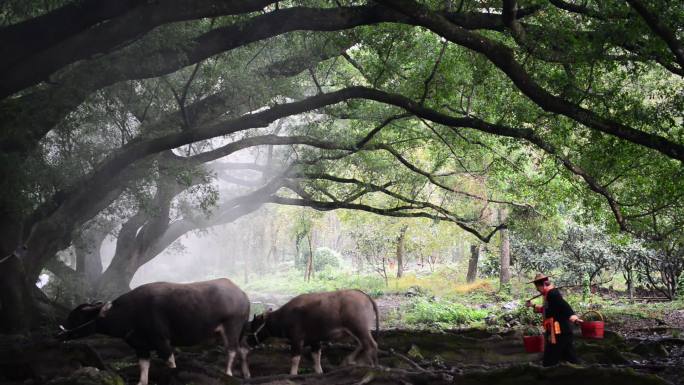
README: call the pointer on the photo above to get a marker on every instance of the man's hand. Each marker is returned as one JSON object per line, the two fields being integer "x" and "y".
{"x": 575, "y": 319}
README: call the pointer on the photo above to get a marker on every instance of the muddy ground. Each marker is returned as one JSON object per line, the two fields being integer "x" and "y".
{"x": 408, "y": 357}
{"x": 635, "y": 351}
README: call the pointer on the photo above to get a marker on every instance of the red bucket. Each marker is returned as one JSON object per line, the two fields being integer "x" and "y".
{"x": 593, "y": 329}
{"x": 534, "y": 344}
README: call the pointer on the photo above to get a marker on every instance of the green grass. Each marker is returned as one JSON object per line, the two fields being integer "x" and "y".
{"x": 445, "y": 282}
{"x": 445, "y": 300}
{"x": 441, "y": 313}
{"x": 292, "y": 282}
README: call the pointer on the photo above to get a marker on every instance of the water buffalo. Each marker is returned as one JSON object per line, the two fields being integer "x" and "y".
{"x": 309, "y": 319}
{"x": 159, "y": 315}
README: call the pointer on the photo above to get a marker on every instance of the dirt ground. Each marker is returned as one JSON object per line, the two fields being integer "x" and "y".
{"x": 634, "y": 351}
{"x": 407, "y": 357}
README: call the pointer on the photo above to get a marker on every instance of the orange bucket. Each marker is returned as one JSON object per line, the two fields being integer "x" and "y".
{"x": 534, "y": 344}
{"x": 593, "y": 329}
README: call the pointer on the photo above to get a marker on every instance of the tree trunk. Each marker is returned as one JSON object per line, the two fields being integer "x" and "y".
{"x": 16, "y": 302}
{"x": 630, "y": 284}
{"x": 136, "y": 238}
{"x": 505, "y": 260}
{"x": 117, "y": 278}
{"x": 245, "y": 268}
{"x": 76, "y": 289}
{"x": 472, "y": 263}
{"x": 458, "y": 253}
{"x": 401, "y": 250}
{"x": 88, "y": 258}
{"x": 309, "y": 260}
{"x": 384, "y": 271}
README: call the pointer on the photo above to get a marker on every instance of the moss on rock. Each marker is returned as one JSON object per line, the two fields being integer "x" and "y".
{"x": 559, "y": 375}
{"x": 89, "y": 376}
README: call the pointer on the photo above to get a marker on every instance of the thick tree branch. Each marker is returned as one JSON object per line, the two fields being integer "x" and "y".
{"x": 34, "y": 35}
{"x": 27, "y": 119}
{"x": 96, "y": 185}
{"x": 371, "y": 187}
{"x": 408, "y": 211}
{"x": 98, "y": 28}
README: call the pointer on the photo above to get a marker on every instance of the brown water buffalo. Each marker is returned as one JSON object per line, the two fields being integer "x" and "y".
{"x": 309, "y": 319}
{"x": 159, "y": 315}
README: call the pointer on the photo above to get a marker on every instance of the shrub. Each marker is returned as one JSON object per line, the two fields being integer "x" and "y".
{"x": 323, "y": 258}
{"x": 526, "y": 316}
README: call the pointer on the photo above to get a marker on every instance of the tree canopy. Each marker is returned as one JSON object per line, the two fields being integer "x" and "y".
{"x": 134, "y": 118}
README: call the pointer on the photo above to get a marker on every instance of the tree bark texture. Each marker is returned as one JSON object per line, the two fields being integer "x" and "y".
{"x": 472, "y": 263}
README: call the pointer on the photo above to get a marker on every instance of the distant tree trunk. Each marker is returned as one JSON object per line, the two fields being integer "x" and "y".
{"x": 309, "y": 261}
{"x": 401, "y": 250}
{"x": 384, "y": 271}
{"x": 628, "y": 274}
{"x": 432, "y": 260}
{"x": 505, "y": 260}
{"x": 274, "y": 247}
{"x": 472, "y": 263}
{"x": 246, "y": 267}
{"x": 457, "y": 253}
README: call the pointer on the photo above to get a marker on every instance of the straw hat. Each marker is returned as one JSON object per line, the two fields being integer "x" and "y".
{"x": 539, "y": 277}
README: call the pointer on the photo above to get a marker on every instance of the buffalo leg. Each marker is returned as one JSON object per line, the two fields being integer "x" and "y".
{"x": 230, "y": 343}
{"x": 171, "y": 362}
{"x": 142, "y": 351}
{"x": 144, "y": 364}
{"x": 296, "y": 356}
{"x": 351, "y": 358}
{"x": 243, "y": 359}
{"x": 370, "y": 348}
{"x": 165, "y": 351}
{"x": 229, "y": 364}
{"x": 316, "y": 355}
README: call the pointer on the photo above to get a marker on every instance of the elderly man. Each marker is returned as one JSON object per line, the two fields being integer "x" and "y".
{"x": 558, "y": 320}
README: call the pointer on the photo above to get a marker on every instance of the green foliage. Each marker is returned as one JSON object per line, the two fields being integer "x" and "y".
{"x": 326, "y": 259}
{"x": 440, "y": 312}
{"x": 586, "y": 252}
{"x": 291, "y": 282}
{"x": 526, "y": 316}
{"x": 680, "y": 286}
{"x": 467, "y": 167}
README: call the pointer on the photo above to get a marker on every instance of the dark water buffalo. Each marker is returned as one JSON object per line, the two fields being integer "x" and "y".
{"x": 159, "y": 315}
{"x": 309, "y": 319}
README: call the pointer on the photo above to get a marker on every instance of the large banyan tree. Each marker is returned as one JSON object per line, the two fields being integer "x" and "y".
{"x": 119, "y": 116}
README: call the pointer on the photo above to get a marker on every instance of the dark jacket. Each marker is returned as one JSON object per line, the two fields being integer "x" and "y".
{"x": 555, "y": 306}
